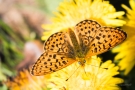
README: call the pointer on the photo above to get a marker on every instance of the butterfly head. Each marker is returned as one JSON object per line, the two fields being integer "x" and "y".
{"x": 82, "y": 61}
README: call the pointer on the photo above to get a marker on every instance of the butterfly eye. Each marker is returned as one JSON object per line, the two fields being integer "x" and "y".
{"x": 84, "y": 61}
{"x": 79, "y": 63}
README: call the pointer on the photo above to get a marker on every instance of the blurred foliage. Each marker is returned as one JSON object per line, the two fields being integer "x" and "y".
{"x": 10, "y": 51}
{"x": 45, "y": 6}
{"x": 48, "y": 6}
{"x": 3, "y": 87}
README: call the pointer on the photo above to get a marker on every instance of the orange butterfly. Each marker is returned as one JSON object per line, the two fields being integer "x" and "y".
{"x": 63, "y": 48}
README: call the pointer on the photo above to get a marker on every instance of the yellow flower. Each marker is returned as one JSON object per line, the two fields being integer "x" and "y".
{"x": 25, "y": 81}
{"x": 127, "y": 49}
{"x": 70, "y": 12}
{"x": 91, "y": 77}
{"x": 130, "y": 13}
{"x": 94, "y": 76}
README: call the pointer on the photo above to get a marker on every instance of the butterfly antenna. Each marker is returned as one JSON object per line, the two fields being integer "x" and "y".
{"x": 85, "y": 72}
{"x": 73, "y": 73}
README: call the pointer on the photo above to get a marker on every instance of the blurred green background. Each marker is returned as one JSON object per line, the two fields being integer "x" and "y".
{"x": 20, "y": 33}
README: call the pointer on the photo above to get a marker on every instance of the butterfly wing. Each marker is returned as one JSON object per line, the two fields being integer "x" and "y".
{"x": 58, "y": 54}
{"x": 95, "y": 39}
{"x": 105, "y": 39}
{"x": 85, "y": 32}
{"x": 50, "y": 62}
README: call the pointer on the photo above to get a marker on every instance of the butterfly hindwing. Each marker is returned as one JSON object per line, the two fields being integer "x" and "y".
{"x": 58, "y": 42}
{"x": 86, "y": 31}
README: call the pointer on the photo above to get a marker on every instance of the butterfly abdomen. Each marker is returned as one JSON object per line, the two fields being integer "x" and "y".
{"x": 77, "y": 48}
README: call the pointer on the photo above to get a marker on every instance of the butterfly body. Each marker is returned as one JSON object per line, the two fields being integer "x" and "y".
{"x": 75, "y": 43}
{"x": 64, "y": 48}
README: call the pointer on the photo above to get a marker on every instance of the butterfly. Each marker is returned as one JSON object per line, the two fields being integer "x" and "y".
{"x": 64, "y": 48}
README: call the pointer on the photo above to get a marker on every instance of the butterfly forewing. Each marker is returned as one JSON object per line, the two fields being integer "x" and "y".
{"x": 58, "y": 54}
{"x": 105, "y": 39}
{"x": 50, "y": 62}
